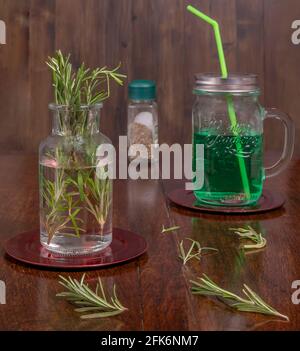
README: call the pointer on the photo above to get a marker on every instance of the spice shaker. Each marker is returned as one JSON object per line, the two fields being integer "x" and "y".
{"x": 142, "y": 119}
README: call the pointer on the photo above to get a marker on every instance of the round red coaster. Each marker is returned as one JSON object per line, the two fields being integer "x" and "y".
{"x": 268, "y": 202}
{"x": 125, "y": 246}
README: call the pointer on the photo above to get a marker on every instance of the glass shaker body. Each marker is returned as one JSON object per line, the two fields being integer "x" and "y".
{"x": 142, "y": 121}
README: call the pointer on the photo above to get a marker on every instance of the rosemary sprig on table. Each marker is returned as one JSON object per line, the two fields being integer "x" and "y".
{"x": 80, "y": 294}
{"x": 251, "y": 303}
{"x": 168, "y": 230}
{"x": 249, "y": 233}
{"x": 194, "y": 251}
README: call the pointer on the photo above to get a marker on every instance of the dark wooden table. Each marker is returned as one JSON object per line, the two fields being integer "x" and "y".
{"x": 155, "y": 287}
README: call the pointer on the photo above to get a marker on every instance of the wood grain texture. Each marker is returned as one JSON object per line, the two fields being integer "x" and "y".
{"x": 282, "y": 60}
{"x": 41, "y": 45}
{"x": 171, "y": 70}
{"x": 154, "y": 39}
{"x": 14, "y": 73}
{"x": 155, "y": 287}
{"x": 118, "y": 45}
{"x": 197, "y": 57}
{"x": 250, "y": 50}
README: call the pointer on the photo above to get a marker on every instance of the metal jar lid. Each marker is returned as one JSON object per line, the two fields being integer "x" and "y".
{"x": 235, "y": 83}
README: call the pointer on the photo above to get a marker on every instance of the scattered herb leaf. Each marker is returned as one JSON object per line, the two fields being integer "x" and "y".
{"x": 249, "y": 233}
{"x": 79, "y": 294}
{"x": 251, "y": 303}
{"x": 167, "y": 230}
{"x": 194, "y": 251}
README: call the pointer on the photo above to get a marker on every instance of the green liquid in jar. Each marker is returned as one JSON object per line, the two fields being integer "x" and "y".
{"x": 222, "y": 177}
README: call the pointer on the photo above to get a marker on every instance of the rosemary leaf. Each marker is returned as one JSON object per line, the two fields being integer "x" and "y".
{"x": 249, "y": 233}
{"x": 80, "y": 186}
{"x": 79, "y": 293}
{"x": 168, "y": 230}
{"x": 100, "y": 315}
{"x": 250, "y": 303}
{"x": 194, "y": 251}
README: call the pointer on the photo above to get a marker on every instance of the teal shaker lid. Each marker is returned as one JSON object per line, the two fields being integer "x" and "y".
{"x": 142, "y": 90}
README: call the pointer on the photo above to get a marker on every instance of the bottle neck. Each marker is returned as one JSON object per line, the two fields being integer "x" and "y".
{"x": 66, "y": 122}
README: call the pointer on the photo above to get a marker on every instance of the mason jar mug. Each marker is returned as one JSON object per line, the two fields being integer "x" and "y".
{"x": 228, "y": 121}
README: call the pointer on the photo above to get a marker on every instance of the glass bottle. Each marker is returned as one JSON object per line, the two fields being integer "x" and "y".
{"x": 228, "y": 121}
{"x": 142, "y": 120}
{"x": 75, "y": 194}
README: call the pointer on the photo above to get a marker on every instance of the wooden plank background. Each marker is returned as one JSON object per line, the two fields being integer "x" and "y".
{"x": 154, "y": 39}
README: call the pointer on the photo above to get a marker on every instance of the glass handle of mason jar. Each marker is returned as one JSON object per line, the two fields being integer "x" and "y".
{"x": 289, "y": 141}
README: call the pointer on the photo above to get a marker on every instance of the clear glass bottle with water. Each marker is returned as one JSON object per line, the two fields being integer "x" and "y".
{"x": 75, "y": 194}
{"x": 229, "y": 121}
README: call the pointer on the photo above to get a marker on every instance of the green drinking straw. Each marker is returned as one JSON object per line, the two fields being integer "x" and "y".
{"x": 231, "y": 110}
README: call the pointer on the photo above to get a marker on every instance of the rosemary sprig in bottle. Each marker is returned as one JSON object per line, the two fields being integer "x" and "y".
{"x": 96, "y": 192}
{"x": 96, "y": 302}
{"x": 250, "y": 303}
{"x": 84, "y": 87}
{"x": 76, "y": 91}
{"x": 61, "y": 210}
